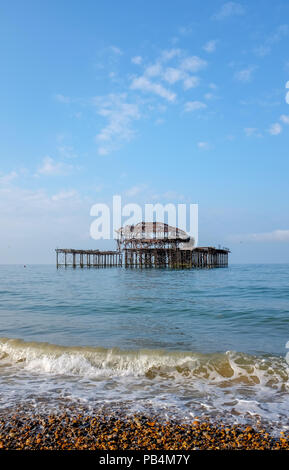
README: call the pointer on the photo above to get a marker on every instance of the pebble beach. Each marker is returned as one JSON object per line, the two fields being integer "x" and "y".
{"x": 20, "y": 431}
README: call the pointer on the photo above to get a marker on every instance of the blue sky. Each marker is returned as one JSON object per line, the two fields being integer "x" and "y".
{"x": 177, "y": 101}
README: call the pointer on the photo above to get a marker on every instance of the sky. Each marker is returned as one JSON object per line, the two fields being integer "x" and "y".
{"x": 156, "y": 101}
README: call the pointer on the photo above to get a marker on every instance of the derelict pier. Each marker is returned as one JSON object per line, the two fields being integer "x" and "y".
{"x": 147, "y": 245}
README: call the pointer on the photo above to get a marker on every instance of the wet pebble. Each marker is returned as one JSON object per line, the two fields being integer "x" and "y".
{"x": 102, "y": 431}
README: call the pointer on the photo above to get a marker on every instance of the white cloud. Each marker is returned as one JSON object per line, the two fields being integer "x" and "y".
{"x": 172, "y": 75}
{"x": 50, "y": 167}
{"x": 171, "y": 196}
{"x": 275, "y": 129}
{"x": 210, "y": 46}
{"x": 119, "y": 114}
{"x": 172, "y": 68}
{"x": 262, "y": 51}
{"x": 153, "y": 70}
{"x": 62, "y": 195}
{"x": 229, "y": 9}
{"x": 252, "y": 131}
{"x": 131, "y": 192}
{"x": 156, "y": 76}
{"x": 194, "y": 106}
{"x": 281, "y": 32}
{"x": 245, "y": 75}
{"x": 274, "y": 236}
{"x": 137, "y": 60}
{"x": 274, "y": 38}
{"x": 112, "y": 75}
{"x": 285, "y": 118}
{"x": 35, "y": 202}
{"x": 105, "y": 150}
{"x": 185, "y": 30}
{"x": 7, "y": 179}
{"x": 38, "y": 213}
{"x": 191, "y": 81}
{"x": 67, "y": 151}
{"x": 115, "y": 50}
{"x": 77, "y": 115}
{"x": 204, "y": 145}
{"x": 170, "y": 54}
{"x": 193, "y": 64}
{"x": 146, "y": 85}
{"x": 62, "y": 99}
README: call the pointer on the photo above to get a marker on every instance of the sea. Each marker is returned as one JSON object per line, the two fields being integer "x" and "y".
{"x": 179, "y": 344}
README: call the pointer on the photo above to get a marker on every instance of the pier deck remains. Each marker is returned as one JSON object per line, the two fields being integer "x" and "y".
{"x": 87, "y": 258}
{"x": 147, "y": 245}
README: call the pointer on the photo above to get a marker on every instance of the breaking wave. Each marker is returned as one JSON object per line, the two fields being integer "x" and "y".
{"x": 231, "y": 386}
{"x": 221, "y": 369}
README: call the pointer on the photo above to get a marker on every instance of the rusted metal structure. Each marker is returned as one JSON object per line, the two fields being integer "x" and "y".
{"x": 155, "y": 244}
{"x": 147, "y": 245}
{"x": 87, "y": 258}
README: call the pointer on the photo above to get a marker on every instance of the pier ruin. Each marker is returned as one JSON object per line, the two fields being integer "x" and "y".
{"x": 147, "y": 245}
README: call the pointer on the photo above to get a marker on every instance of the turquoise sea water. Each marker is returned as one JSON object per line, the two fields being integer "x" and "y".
{"x": 178, "y": 342}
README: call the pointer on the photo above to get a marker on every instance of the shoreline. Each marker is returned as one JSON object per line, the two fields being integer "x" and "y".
{"x": 23, "y": 431}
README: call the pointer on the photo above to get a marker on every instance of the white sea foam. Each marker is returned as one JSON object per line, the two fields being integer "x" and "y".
{"x": 223, "y": 369}
{"x": 183, "y": 383}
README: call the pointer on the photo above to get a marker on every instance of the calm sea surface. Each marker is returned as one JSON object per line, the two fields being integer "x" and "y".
{"x": 182, "y": 343}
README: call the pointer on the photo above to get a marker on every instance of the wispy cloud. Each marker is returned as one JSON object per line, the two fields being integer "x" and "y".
{"x": 265, "y": 48}
{"x": 275, "y": 129}
{"x": 168, "y": 196}
{"x": 62, "y": 98}
{"x": 172, "y": 75}
{"x": 274, "y": 236}
{"x": 137, "y": 60}
{"x": 50, "y": 167}
{"x": 119, "y": 114}
{"x": 162, "y": 80}
{"x": 284, "y": 118}
{"x": 252, "y": 132}
{"x": 193, "y": 64}
{"x": 169, "y": 54}
{"x": 245, "y": 75}
{"x": 146, "y": 85}
{"x": 229, "y": 9}
{"x": 185, "y": 30}
{"x": 191, "y": 82}
{"x": 115, "y": 50}
{"x": 157, "y": 76}
{"x": 134, "y": 190}
{"x": 6, "y": 179}
{"x": 36, "y": 202}
{"x": 159, "y": 121}
{"x": 210, "y": 96}
{"x": 40, "y": 213}
{"x": 63, "y": 195}
{"x": 210, "y": 46}
{"x": 67, "y": 151}
{"x": 203, "y": 145}
{"x": 194, "y": 106}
